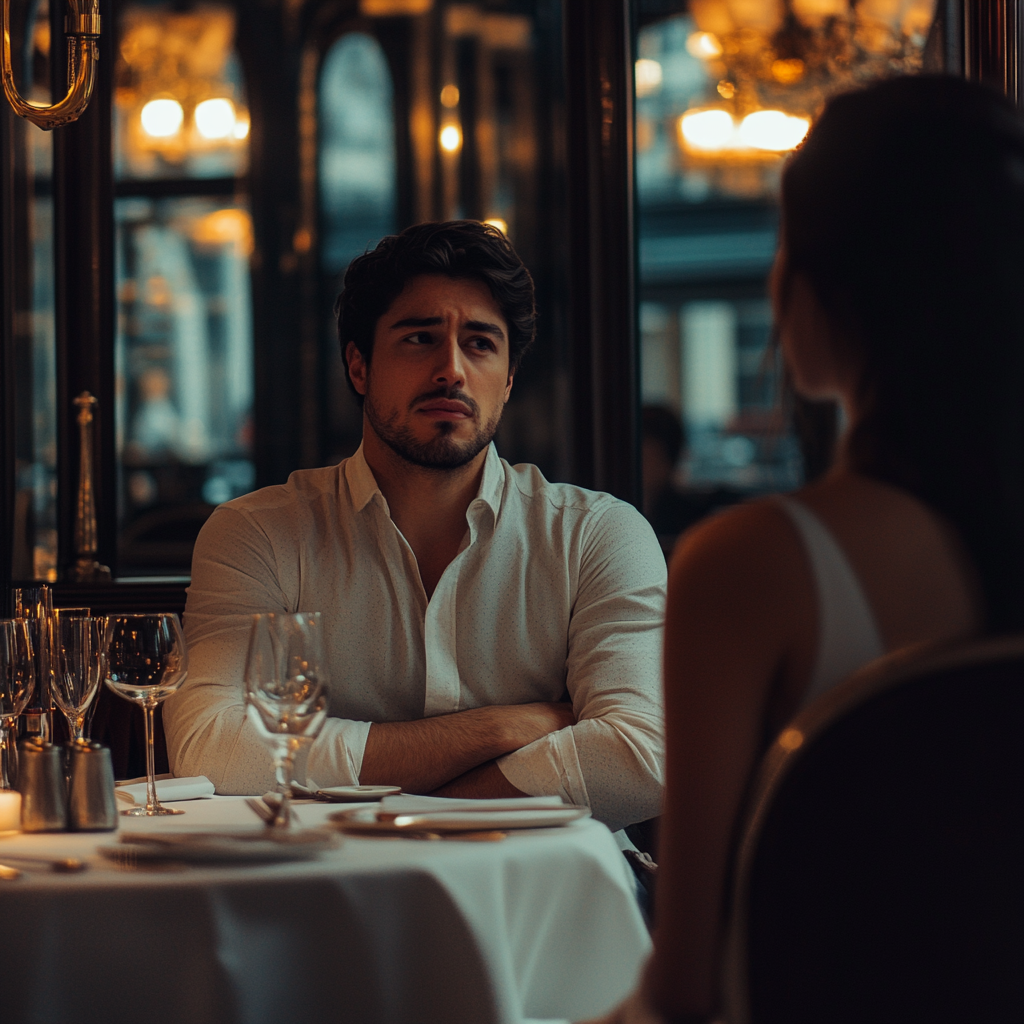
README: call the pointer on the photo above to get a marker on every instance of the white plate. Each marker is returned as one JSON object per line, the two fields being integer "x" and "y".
{"x": 367, "y": 819}
{"x": 353, "y": 794}
{"x": 237, "y": 847}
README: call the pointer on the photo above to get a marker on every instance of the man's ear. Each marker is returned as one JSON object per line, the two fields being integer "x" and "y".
{"x": 508, "y": 386}
{"x": 357, "y": 367}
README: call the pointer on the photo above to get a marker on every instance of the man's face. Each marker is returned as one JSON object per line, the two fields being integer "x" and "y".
{"x": 439, "y": 379}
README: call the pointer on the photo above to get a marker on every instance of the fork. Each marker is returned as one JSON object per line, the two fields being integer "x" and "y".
{"x": 266, "y": 812}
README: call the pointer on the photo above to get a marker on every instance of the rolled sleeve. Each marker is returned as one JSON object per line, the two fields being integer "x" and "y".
{"x": 613, "y": 758}
{"x": 234, "y": 576}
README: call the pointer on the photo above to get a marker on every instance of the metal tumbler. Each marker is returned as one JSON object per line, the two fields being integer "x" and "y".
{"x": 92, "y": 806}
{"x": 44, "y": 806}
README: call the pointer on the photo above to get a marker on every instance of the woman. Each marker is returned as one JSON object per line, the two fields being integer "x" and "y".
{"x": 898, "y": 291}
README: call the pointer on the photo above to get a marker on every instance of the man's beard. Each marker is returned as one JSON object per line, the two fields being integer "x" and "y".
{"x": 441, "y": 452}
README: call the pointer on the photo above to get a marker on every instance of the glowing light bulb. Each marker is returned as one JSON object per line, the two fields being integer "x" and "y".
{"x": 704, "y": 45}
{"x": 451, "y": 138}
{"x": 162, "y": 118}
{"x": 773, "y": 130}
{"x": 450, "y": 96}
{"x": 707, "y": 129}
{"x": 241, "y": 126}
{"x": 648, "y": 77}
{"x": 497, "y": 222}
{"x": 215, "y": 119}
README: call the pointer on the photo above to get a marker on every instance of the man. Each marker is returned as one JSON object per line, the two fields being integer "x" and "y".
{"x": 487, "y": 633}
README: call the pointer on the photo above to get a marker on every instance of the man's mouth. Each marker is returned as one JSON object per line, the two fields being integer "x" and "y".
{"x": 446, "y": 409}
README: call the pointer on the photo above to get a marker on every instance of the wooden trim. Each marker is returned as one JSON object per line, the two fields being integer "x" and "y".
{"x": 598, "y": 41}
{"x": 84, "y": 275}
{"x": 992, "y": 43}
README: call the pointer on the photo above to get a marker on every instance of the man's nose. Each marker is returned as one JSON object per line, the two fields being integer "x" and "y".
{"x": 450, "y": 368}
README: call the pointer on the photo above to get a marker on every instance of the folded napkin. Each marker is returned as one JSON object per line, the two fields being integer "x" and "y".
{"x": 134, "y": 792}
{"x": 424, "y": 804}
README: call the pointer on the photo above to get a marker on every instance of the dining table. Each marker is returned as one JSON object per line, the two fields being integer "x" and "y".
{"x": 542, "y": 925}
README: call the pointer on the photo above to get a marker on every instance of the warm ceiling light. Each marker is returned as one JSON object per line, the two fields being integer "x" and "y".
{"x": 497, "y": 222}
{"x": 241, "y": 126}
{"x": 393, "y": 8}
{"x": 707, "y": 129}
{"x": 648, "y": 77}
{"x": 450, "y": 96}
{"x": 704, "y": 45}
{"x": 162, "y": 118}
{"x": 450, "y": 138}
{"x": 773, "y": 130}
{"x": 215, "y": 119}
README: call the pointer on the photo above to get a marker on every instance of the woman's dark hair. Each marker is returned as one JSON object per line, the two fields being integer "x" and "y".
{"x": 904, "y": 210}
{"x": 458, "y": 248}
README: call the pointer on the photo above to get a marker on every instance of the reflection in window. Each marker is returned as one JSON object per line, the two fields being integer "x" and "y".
{"x": 357, "y": 150}
{"x": 723, "y": 93}
{"x": 179, "y": 105}
{"x": 184, "y": 354}
{"x": 35, "y": 514}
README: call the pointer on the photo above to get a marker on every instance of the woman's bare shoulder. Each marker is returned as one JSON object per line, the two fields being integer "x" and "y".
{"x": 754, "y": 534}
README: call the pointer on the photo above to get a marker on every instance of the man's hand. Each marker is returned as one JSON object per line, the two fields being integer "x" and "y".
{"x": 422, "y": 756}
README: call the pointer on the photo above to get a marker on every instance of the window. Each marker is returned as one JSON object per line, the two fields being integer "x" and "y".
{"x": 184, "y": 353}
{"x": 723, "y": 93}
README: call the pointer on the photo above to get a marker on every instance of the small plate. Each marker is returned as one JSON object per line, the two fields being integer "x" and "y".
{"x": 366, "y": 819}
{"x": 353, "y": 794}
{"x": 241, "y": 847}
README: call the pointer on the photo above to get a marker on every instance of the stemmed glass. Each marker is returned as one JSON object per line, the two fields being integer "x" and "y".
{"x": 146, "y": 663}
{"x": 284, "y": 691}
{"x": 35, "y": 606}
{"x": 79, "y": 663}
{"x": 17, "y": 681}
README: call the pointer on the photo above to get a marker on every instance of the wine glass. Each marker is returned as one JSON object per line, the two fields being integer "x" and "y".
{"x": 146, "y": 663}
{"x": 284, "y": 690}
{"x": 79, "y": 663}
{"x": 17, "y": 681}
{"x": 35, "y": 606}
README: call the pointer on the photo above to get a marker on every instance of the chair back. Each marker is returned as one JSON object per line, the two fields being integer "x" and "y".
{"x": 880, "y": 875}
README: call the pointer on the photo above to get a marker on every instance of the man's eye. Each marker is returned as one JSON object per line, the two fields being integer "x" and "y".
{"x": 420, "y": 338}
{"x": 483, "y": 344}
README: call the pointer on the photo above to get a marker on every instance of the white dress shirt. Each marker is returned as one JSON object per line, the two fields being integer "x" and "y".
{"x": 555, "y": 590}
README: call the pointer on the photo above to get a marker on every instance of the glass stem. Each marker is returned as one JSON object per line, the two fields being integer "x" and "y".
{"x": 283, "y": 765}
{"x": 77, "y": 725}
{"x": 151, "y": 800}
{"x": 6, "y": 771}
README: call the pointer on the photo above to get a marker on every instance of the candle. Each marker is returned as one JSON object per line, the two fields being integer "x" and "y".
{"x": 10, "y": 810}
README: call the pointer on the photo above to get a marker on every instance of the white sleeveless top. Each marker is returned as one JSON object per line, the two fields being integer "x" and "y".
{"x": 848, "y": 636}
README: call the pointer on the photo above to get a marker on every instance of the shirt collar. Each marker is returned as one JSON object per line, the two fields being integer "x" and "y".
{"x": 362, "y": 484}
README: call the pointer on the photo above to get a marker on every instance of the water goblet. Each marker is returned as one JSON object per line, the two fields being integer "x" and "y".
{"x": 146, "y": 663}
{"x": 35, "y": 606}
{"x": 284, "y": 691}
{"x": 17, "y": 681}
{"x": 79, "y": 664}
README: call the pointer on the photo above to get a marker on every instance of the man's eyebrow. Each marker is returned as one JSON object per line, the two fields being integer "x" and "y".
{"x": 484, "y": 328}
{"x": 417, "y": 321}
{"x": 433, "y": 321}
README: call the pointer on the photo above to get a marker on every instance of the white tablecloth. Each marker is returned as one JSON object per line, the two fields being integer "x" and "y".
{"x": 543, "y": 925}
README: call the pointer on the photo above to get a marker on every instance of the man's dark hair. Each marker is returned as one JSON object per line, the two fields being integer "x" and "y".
{"x": 458, "y": 249}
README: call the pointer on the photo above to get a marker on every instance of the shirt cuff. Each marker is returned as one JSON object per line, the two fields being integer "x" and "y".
{"x": 549, "y": 766}
{"x": 336, "y": 756}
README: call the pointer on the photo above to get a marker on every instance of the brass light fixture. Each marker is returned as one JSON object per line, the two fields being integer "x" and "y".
{"x": 82, "y": 25}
